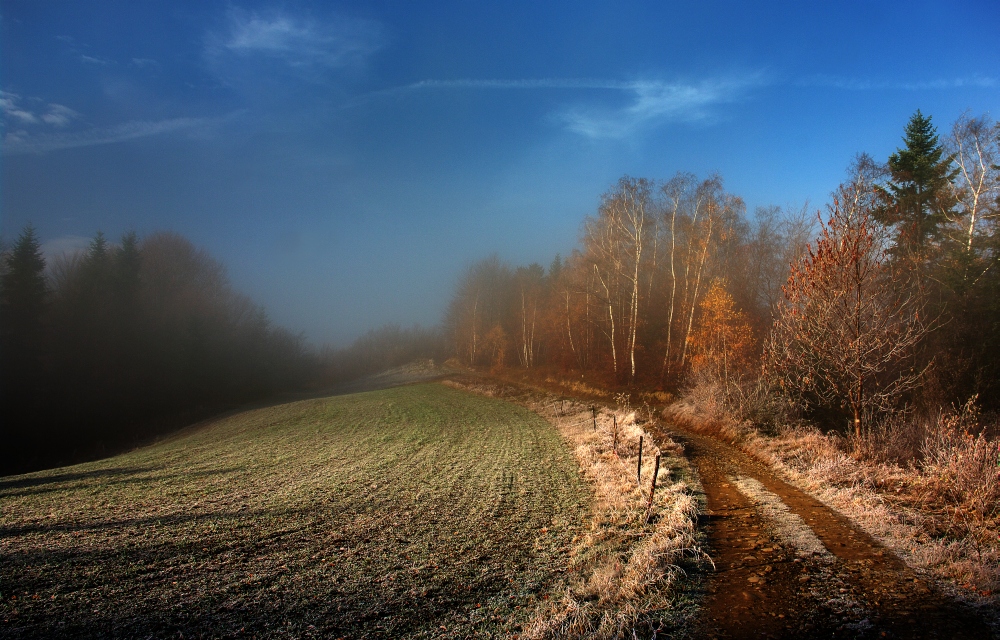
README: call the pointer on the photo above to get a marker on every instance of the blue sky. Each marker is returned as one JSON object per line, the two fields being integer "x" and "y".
{"x": 347, "y": 160}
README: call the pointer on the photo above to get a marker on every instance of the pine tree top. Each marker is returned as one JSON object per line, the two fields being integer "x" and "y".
{"x": 24, "y": 284}
{"x": 26, "y": 254}
{"x": 98, "y": 249}
{"x": 919, "y": 162}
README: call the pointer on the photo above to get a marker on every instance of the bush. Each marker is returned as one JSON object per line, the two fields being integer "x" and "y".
{"x": 894, "y": 439}
{"x": 964, "y": 464}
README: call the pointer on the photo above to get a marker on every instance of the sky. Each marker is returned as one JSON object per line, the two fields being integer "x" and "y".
{"x": 347, "y": 160}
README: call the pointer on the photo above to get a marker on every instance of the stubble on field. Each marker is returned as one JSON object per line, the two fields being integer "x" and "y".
{"x": 419, "y": 511}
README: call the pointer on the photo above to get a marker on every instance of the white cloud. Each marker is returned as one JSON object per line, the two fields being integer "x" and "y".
{"x": 652, "y": 102}
{"x": 655, "y": 103}
{"x": 95, "y": 60}
{"x": 20, "y": 142}
{"x": 299, "y": 42}
{"x": 10, "y": 105}
{"x": 59, "y": 115}
{"x": 55, "y": 126}
{"x": 14, "y": 112}
{"x": 25, "y": 117}
{"x": 540, "y": 83}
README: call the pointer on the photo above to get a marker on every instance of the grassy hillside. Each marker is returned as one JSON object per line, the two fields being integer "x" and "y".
{"x": 414, "y": 511}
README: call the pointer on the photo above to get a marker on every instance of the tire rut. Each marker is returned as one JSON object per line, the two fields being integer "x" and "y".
{"x": 766, "y": 587}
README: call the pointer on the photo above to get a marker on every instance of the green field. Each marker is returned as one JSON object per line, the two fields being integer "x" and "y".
{"x": 417, "y": 511}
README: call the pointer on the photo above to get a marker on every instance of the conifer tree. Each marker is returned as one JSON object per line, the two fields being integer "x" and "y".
{"x": 24, "y": 290}
{"x": 919, "y": 175}
{"x": 21, "y": 339}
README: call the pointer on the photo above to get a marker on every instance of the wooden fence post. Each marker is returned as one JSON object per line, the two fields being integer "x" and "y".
{"x": 593, "y": 411}
{"x": 652, "y": 486}
{"x": 638, "y": 472}
{"x": 614, "y": 442}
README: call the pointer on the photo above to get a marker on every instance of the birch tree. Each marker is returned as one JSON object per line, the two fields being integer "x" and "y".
{"x": 530, "y": 288}
{"x": 712, "y": 219}
{"x": 974, "y": 146}
{"x": 674, "y": 193}
{"x": 615, "y": 241}
{"x": 482, "y": 300}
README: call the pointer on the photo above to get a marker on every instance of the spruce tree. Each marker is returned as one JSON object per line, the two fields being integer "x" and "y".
{"x": 22, "y": 308}
{"x": 919, "y": 174}
{"x": 97, "y": 262}
{"x": 24, "y": 291}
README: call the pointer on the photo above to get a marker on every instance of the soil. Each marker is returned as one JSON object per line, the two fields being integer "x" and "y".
{"x": 762, "y": 588}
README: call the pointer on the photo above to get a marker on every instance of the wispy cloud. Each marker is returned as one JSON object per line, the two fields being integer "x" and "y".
{"x": 860, "y": 84}
{"x": 655, "y": 103}
{"x": 22, "y": 142}
{"x": 32, "y": 125}
{"x": 103, "y": 62}
{"x": 12, "y": 109}
{"x": 501, "y": 84}
{"x": 59, "y": 115}
{"x": 650, "y": 102}
{"x": 16, "y": 113}
{"x": 299, "y": 42}
{"x": 83, "y": 52}
{"x": 18, "y": 118}
{"x": 540, "y": 83}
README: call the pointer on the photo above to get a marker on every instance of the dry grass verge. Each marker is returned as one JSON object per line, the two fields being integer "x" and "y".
{"x": 626, "y": 568}
{"x": 939, "y": 512}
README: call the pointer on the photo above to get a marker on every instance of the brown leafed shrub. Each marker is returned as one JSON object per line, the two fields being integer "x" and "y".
{"x": 963, "y": 464}
{"x": 896, "y": 439}
{"x": 847, "y": 326}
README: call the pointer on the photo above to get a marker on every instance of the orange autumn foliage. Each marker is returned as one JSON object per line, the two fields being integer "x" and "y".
{"x": 722, "y": 345}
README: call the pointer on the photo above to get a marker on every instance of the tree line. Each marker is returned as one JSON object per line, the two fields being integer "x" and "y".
{"x": 106, "y": 347}
{"x": 886, "y": 300}
{"x": 624, "y": 307}
{"x": 380, "y": 349}
{"x": 843, "y": 314}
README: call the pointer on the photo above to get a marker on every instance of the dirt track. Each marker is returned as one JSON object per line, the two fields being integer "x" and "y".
{"x": 764, "y": 586}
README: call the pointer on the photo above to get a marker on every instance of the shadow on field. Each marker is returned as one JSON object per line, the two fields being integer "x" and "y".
{"x": 116, "y": 525}
{"x": 378, "y": 516}
{"x": 38, "y": 486}
{"x": 21, "y": 483}
{"x": 202, "y": 585}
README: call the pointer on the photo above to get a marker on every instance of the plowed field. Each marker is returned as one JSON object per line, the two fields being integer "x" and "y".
{"x": 417, "y": 511}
